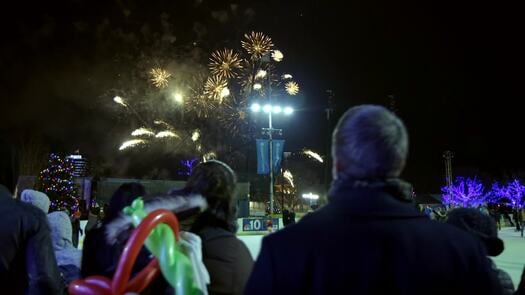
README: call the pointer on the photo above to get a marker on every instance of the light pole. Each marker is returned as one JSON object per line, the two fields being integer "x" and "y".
{"x": 271, "y": 109}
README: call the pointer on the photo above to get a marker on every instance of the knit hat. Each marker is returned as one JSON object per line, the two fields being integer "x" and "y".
{"x": 480, "y": 225}
{"x": 36, "y": 198}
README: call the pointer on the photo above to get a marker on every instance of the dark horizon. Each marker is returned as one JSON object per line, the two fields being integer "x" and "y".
{"x": 450, "y": 67}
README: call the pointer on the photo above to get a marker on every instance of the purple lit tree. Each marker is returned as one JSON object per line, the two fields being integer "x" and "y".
{"x": 188, "y": 166}
{"x": 514, "y": 193}
{"x": 496, "y": 194}
{"x": 464, "y": 192}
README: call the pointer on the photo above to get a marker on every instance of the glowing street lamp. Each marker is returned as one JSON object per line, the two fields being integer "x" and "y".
{"x": 256, "y": 108}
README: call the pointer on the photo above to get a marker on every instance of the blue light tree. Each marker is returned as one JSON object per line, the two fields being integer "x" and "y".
{"x": 464, "y": 192}
{"x": 514, "y": 193}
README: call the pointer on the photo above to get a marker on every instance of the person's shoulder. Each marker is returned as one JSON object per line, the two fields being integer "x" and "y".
{"x": 308, "y": 227}
{"x": 29, "y": 211}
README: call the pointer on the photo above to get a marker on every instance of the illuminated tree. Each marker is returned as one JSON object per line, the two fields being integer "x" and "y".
{"x": 464, "y": 192}
{"x": 57, "y": 182}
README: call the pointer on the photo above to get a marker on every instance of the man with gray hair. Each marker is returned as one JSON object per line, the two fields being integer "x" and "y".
{"x": 370, "y": 238}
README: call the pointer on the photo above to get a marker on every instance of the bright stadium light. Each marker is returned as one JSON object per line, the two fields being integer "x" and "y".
{"x": 277, "y": 109}
{"x": 310, "y": 196}
{"x": 288, "y": 110}
{"x": 256, "y": 108}
{"x": 267, "y": 108}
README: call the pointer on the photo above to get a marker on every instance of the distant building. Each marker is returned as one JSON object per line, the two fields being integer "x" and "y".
{"x": 79, "y": 164}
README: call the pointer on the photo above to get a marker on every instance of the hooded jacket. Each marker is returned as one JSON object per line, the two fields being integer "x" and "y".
{"x": 61, "y": 233}
{"x": 36, "y": 198}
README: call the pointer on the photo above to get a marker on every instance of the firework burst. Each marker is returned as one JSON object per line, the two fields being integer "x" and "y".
{"x": 289, "y": 177}
{"x": 142, "y": 131}
{"x": 131, "y": 143}
{"x": 313, "y": 155}
{"x": 257, "y": 44}
{"x": 292, "y": 88}
{"x": 277, "y": 55}
{"x": 159, "y": 77}
{"x": 166, "y": 133}
{"x": 120, "y": 101}
{"x": 224, "y": 63}
{"x": 215, "y": 88}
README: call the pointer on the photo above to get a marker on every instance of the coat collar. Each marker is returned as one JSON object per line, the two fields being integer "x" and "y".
{"x": 373, "y": 198}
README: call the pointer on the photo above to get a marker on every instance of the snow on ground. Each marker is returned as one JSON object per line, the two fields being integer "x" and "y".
{"x": 511, "y": 260}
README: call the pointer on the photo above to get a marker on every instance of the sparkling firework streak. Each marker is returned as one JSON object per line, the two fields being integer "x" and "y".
{"x": 313, "y": 155}
{"x": 142, "y": 131}
{"x": 292, "y": 88}
{"x": 289, "y": 177}
{"x": 131, "y": 143}
{"x": 287, "y": 76}
{"x": 214, "y": 87}
{"x": 195, "y": 135}
{"x": 223, "y": 63}
{"x": 166, "y": 133}
{"x": 261, "y": 74}
{"x": 120, "y": 101}
{"x": 256, "y": 44}
{"x": 159, "y": 77}
{"x": 277, "y": 55}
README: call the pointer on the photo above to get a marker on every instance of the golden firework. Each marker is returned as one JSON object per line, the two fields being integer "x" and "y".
{"x": 159, "y": 77}
{"x": 313, "y": 155}
{"x": 131, "y": 143}
{"x": 142, "y": 132}
{"x": 215, "y": 88}
{"x": 223, "y": 63}
{"x": 257, "y": 44}
{"x": 292, "y": 88}
{"x": 277, "y": 55}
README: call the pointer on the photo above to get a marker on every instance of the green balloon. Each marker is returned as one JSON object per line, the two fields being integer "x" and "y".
{"x": 175, "y": 266}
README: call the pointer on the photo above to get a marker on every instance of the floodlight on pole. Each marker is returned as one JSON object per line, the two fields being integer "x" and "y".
{"x": 256, "y": 108}
{"x": 267, "y": 108}
{"x": 276, "y": 109}
{"x": 288, "y": 110}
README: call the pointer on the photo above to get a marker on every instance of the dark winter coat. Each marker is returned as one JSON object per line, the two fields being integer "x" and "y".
{"x": 371, "y": 240}
{"x": 27, "y": 260}
{"x": 504, "y": 279}
{"x": 227, "y": 260}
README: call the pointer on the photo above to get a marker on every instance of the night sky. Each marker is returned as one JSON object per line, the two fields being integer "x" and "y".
{"x": 452, "y": 69}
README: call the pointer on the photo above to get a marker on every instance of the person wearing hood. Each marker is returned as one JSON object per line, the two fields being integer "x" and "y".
{"x": 370, "y": 238}
{"x": 37, "y": 199}
{"x": 484, "y": 228}
{"x": 68, "y": 257}
{"x": 27, "y": 260}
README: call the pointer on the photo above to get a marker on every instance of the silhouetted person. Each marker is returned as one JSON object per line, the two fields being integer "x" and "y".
{"x": 103, "y": 256}
{"x": 27, "y": 261}
{"x": 484, "y": 228}
{"x": 370, "y": 238}
{"x": 226, "y": 258}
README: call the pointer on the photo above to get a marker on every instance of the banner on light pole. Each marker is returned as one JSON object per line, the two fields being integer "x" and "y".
{"x": 263, "y": 152}
{"x": 277, "y": 153}
{"x": 263, "y": 155}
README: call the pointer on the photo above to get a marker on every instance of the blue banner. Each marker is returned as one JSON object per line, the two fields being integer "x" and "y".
{"x": 277, "y": 153}
{"x": 263, "y": 154}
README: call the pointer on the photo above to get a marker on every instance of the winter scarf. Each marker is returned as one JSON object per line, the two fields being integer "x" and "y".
{"x": 396, "y": 187}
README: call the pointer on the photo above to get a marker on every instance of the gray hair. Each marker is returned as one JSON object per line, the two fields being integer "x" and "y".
{"x": 369, "y": 142}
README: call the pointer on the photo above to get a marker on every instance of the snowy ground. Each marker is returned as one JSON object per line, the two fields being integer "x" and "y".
{"x": 511, "y": 260}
